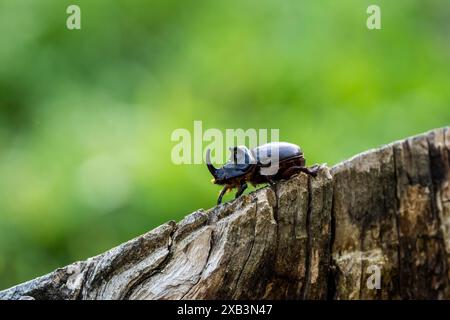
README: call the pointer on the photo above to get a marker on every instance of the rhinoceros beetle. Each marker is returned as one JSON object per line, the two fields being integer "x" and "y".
{"x": 247, "y": 166}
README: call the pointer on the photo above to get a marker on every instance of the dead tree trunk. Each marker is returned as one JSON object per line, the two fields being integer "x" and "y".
{"x": 384, "y": 212}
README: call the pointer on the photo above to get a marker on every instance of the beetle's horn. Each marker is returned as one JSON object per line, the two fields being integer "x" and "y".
{"x": 208, "y": 163}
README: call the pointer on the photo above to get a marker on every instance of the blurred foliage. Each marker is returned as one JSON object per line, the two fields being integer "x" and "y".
{"x": 86, "y": 115}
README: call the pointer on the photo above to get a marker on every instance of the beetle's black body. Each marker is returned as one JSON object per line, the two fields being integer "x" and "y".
{"x": 251, "y": 166}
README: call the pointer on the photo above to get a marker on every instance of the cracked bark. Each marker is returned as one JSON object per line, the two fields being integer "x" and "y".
{"x": 305, "y": 238}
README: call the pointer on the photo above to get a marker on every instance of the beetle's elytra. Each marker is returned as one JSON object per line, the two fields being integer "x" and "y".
{"x": 246, "y": 166}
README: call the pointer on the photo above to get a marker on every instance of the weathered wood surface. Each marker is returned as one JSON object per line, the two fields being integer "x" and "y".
{"x": 306, "y": 238}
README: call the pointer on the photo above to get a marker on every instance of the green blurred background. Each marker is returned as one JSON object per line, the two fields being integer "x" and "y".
{"x": 86, "y": 115}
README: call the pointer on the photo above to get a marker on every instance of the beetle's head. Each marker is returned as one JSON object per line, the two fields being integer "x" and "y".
{"x": 241, "y": 155}
{"x": 241, "y": 161}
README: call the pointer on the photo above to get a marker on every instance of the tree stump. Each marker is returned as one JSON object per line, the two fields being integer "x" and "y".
{"x": 376, "y": 226}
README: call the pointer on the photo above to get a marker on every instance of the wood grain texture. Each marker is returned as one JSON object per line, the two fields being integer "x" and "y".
{"x": 305, "y": 238}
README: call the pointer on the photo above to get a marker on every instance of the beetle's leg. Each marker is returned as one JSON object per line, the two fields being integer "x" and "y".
{"x": 290, "y": 172}
{"x": 295, "y": 169}
{"x": 222, "y": 193}
{"x": 241, "y": 190}
{"x": 315, "y": 168}
{"x": 313, "y": 171}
